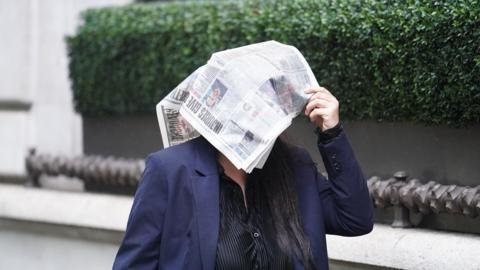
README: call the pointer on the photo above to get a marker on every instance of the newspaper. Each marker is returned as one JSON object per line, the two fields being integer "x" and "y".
{"x": 240, "y": 101}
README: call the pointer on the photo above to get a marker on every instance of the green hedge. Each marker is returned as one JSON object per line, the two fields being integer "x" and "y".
{"x": 386, "y": 60}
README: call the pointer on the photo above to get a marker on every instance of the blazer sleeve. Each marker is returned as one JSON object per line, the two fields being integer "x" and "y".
{"x": 346, "y": 203}
{"x": 140, "y": 246}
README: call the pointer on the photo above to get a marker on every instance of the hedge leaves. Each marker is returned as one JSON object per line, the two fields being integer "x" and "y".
{"x": 386, "y": 60}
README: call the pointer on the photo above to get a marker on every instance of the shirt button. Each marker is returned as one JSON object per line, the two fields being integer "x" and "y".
{"x": 256, "y": 234}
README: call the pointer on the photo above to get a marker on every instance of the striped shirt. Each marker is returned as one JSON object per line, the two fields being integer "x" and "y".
{"x": 242, "y": 243}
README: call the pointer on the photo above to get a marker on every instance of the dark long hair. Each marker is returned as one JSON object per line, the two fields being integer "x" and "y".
{"x": 276, "y": 203}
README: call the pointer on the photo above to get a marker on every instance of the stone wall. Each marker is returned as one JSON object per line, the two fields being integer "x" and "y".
{"x": 439, "y": 153}
{"x": 35, "y": 99}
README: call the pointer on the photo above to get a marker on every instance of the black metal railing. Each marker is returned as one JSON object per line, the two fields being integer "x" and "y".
{"x": 405, "y": 196}
{"x": 98, "y": 173}
{"x": 423, "y": 198}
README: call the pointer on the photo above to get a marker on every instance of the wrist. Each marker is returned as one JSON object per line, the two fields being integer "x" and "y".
{"x": 329, "y": 134}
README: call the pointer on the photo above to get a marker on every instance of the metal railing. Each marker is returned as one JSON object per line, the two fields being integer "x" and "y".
{"x": 397, "y": 192}
{"x": 423, "y": 198}
{"x": 93, "y": 170}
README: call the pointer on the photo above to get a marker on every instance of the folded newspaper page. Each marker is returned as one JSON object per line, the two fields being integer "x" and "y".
{"x": 240, "y": 101}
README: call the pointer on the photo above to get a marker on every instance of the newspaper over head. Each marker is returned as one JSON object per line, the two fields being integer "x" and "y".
{"x": 240, "y": 101}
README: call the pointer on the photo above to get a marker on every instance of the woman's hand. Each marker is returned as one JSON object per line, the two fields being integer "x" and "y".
{"x": 322, "y": 108}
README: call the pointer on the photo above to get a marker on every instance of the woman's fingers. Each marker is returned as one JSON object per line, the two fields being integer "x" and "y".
{"x": 322, "y": 107}
{"x": 316, "y": 103}
{"x": 320, "y": 98}
{"x": 320, "y": 95}
{"x": 318, "y": 114}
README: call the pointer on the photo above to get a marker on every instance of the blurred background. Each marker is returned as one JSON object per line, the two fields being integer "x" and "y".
{"x": 80, "y": 80}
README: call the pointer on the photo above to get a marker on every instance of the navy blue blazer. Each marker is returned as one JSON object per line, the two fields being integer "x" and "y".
{"x": 174, "y": 220}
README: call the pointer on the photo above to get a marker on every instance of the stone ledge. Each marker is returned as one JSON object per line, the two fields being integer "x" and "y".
{"x": 89, "y": 210}
{"x": 384, "y": 247}
{"x": 74, "y": 233}
{"x": 412, "y": 248}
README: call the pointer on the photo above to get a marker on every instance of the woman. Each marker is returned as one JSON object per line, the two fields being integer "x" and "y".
{"x": 194, "y": 210}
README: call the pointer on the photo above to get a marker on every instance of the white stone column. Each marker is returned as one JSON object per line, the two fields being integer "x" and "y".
{"x": 36, "y": 107}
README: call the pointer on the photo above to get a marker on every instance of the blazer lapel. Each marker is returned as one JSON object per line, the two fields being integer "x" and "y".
{"x": 206, "y": 192}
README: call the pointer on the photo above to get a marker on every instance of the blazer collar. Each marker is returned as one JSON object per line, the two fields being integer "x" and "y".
{"x": 206, "y": 192}
{"x": 205, "y": 158}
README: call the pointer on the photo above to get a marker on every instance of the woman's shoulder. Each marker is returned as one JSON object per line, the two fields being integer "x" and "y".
{"x": 176, "y": 155}
{"x": 300, "y": 155}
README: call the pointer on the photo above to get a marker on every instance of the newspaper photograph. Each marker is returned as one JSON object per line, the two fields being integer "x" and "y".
{"x": 240, "y": 101}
